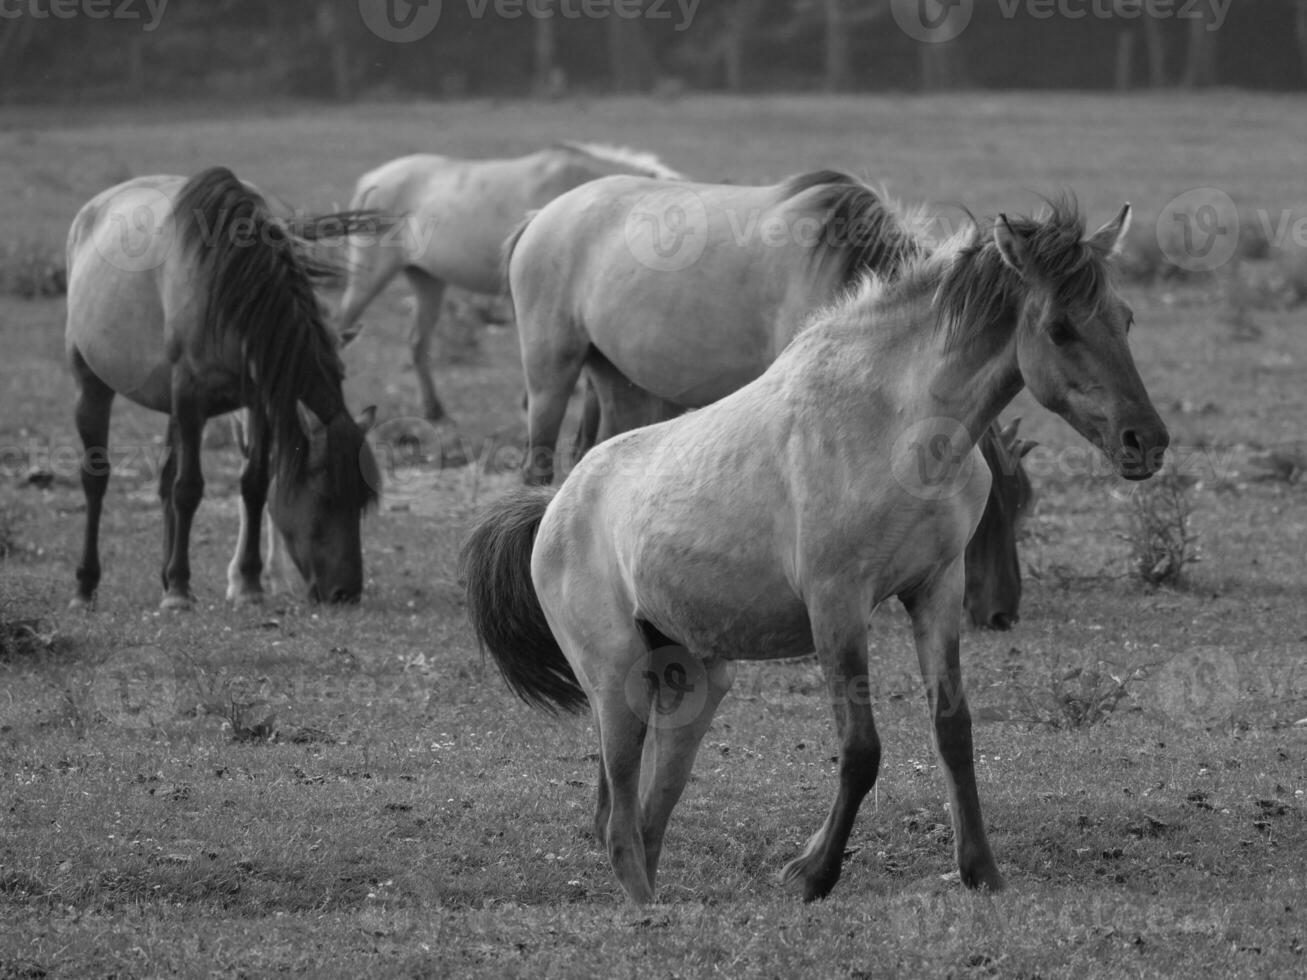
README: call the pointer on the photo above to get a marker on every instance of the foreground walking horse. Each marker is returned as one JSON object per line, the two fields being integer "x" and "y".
{"x": 189, "y": 298}
{"x": 670, "y": 295}
{"x": 773, "y": 522}
{"x": 452, "y": 218}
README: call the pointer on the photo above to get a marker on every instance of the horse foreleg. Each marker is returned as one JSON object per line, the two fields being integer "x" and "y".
{"x": 243, "y": 574}
{"x": 840, "y": 635}
{"x": 936, "y": 610}
{"x": 428, "y": 293}
{"x": 94, "y": 401}
{"x": 187, "y": 489}
{"x": 167, "y": 477}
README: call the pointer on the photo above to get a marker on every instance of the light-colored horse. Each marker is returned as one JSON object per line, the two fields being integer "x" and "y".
{"x": 451, "y": 219}
{"x": 684, "y": 291}
{"x": 773, "y": 522}
{"x": 190, "y": 298}
{"x": 670, "y": 295}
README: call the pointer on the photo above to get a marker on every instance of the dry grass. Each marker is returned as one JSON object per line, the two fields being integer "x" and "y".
{"x": 408, "y": 818}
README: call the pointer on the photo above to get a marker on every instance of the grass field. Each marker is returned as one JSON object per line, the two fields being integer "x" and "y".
{"x": 1140, "y": 765}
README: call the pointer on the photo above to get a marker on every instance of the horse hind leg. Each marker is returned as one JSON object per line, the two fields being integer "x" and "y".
{"x": 428, "y": 293}
{"x": 687, "y": 694}
{"x": 94, "y": 403}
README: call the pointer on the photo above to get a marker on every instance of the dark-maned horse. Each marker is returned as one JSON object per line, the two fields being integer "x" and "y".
{"x": 452, "y": 217}
{"x": 190, "y": 298}
{"x": 774, "y": 521}
{"x": 663, "y": 324}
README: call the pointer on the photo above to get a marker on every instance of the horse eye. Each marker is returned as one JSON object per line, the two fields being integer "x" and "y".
{"x": 1060, "y": 332}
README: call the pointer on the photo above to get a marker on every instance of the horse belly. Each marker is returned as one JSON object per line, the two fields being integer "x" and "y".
{"x": 115, "y": 322}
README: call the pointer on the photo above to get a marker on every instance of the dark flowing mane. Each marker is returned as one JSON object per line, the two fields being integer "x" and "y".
{"x": 261, "y": 276}
{"x": 979, "y": 288}
{"x": 859, "y": 231}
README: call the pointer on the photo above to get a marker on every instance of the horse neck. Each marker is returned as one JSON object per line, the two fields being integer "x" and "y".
{"x": 969, "y": 378}
{"x": 322, "y": 395}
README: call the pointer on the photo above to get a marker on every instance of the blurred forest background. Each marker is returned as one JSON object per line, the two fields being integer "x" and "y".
{"x": 54, "y": 50}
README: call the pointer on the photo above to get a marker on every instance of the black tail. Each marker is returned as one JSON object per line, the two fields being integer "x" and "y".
{"x": 502, "y": 604}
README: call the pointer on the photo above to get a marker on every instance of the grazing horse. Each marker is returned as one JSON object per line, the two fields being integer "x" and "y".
{"x": 190, "y": 298}
{"x": 774, "y": 521}
{"x": 452, "y": 217}
{"x": 659, "y": 333}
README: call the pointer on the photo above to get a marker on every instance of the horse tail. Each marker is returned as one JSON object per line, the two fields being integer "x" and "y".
{"x": 507, "y": 249}
{"x": 504, "y": 609}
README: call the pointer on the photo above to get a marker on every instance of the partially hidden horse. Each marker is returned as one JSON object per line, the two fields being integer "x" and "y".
{"x": 452, "y": 216}
{"x": 774, "y": 521}
{"x": 671, "y": 294}
{"x": 190, "y": 298}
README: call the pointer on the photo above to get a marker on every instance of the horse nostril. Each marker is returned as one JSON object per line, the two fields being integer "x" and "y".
{"x": 1130, "y": 440}
{"x": 1001, "y": 621}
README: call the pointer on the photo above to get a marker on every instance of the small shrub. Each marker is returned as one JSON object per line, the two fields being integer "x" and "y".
{"x": 1158, "y": 531}
{"x": 32, "y": 271}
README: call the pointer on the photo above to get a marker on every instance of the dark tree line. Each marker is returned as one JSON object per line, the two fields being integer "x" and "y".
{"x": 323, "y": 48}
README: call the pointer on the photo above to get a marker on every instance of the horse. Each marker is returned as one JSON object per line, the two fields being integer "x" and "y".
{"x": 190, "y": 298}
{"x": 656, "y": 337}
{"x": 773, "y": 522}
{"x": 453, "y": 216}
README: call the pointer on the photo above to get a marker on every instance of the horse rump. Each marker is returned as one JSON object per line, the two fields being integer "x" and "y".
{"x": 495, "y": 564}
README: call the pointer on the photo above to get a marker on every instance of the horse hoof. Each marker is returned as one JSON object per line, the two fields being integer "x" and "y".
{"x": 177, "y": 603}
{"x": 243, "y": 599}
{"x": 80, "y": 603}
{"x": 984, "y": 880}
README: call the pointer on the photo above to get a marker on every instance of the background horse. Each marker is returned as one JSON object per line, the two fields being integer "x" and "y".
{"x": 452, "y": 217}
{"x": 774, "y": 522}
{"x": 657, "y": 334}
{"x": 189, "y": 298}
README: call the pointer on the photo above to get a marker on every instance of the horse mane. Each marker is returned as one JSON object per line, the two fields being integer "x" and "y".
{"x": 261, "y": 277}
{"x": 860, "y": 231}
{"x": 646, "y": 164}
{"x": 977, "y": 286}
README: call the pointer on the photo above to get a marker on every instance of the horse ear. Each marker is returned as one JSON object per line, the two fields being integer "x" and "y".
{"x": 367, "y": 419}
{"x": 316, "y": 433}
{"x": 1111, "y": 236}
{"x": 1010, "y": 245}
{"x": 1022, "y": 447}
{"x": 1009, "y": 432}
